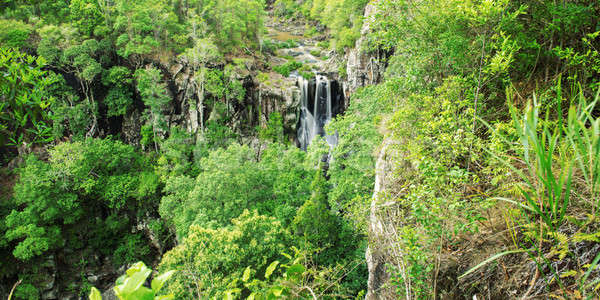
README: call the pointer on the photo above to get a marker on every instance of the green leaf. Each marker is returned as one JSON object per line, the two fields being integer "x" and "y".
{"x": 277, "y": 290}
{"x": 271, "y": 268}
{"x": 142, "y": 293}
{"x": 159, "y": 281}
{"x": 295, "y": 271}
{"x": 246, "y": 275}
{"x": 95, "y": 294}
{"x": 229, "y": 295}
{"x": 133, "y": 283}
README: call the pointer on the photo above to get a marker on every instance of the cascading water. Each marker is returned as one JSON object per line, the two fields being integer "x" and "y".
{"x": 321, "y": 100}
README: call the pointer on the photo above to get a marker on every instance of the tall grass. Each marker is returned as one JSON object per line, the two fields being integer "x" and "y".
{"x": 547, "y": 167}
{"x": 552, "y": 156}
{"x": 583, "y": 134}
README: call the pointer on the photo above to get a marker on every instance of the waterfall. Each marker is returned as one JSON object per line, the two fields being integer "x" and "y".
{"x": 321, "y": 100}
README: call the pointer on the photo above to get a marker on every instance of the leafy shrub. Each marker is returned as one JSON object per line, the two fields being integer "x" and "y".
{"x": 131, "y": 248}
{"x": 274, "y": 130}
{"x": 26, "y": 291}
{"x": 26, "y": 86}
{"x": 211, "y": 261}
{"x": 15, "y": 33}
{"x": 130, "y": 286}
{"x": 120, "y": 96}
{"x": 80, "y": 181}
{"x": 287, "y": 68}
{"x": 230, "y": 181}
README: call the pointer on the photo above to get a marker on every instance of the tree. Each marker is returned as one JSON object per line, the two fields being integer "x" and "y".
{"x": 144, "y": 28}
{"x": 154, "y": 94}
{"x": 314, "y": 222}
{"x": 82, "y": 181}
{"x": 16, "y": 33}
{"x": 86, "y": 15}
{"x": 203, "y": 52}
{"x": 82, "y": 61}
{"x": 211, "y": 261}
{"x": 230, "y": 181}
{"x": 25, "y": 99}
{"x": 119, "y": 98}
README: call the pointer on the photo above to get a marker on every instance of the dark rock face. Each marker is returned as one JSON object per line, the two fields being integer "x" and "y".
{"x": 321, "y": 99}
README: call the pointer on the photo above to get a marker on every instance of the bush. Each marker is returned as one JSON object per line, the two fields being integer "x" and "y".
{"x": 230, "y": 181}
{"x": 287, "y": 68}
{"x": 211, "y": 261}
{"x": 14, "y": 33}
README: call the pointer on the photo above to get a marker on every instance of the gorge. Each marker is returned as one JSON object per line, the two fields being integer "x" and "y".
{"x": 299, "y": 149}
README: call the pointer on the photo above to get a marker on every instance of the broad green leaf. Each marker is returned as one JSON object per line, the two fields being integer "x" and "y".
{"x": 246, "y": 275}
{"x": 271, "y": 268}
{"x": 295, "y": 271}
{"x": 121, "y": 279}
{"x": 229, "y": 296}
{"x": 142, "y": 293}
{"x": 95, "y": 294}
{"x": 159, "y": 281}
{"x": 134, "y": 282}
{"x": 137, "y": 267}
{"x": 277, "y": 290}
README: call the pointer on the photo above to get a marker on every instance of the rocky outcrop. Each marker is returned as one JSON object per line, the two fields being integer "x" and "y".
{"x": 364, "y": 67}
{"x": 380, "y": 253}
{"x": 277, "y": 94}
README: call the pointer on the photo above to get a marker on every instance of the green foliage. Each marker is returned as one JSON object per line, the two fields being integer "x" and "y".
{"x": 131, "y": 248}
{"x": 211, "y": 261}
{"x": 26, "y": 291}
{"x": 216, "y": 135}
{"x": 543, "y": 144}
{"x": 119, "y": 98}
{"x": 352, "y": 169}
{"x": 25, "y": 86}
{"x": 314, "y": 222}
{"x": 586, "y": 61}
{"x": 270, "y": 46}
{"x": 83, "y": 59}
{"x": 286, "y": 8}
{"x": 287, "y": 68}
{"x": 343, "y": 17}
{"x": 230, "y": 181}
{"x": 296, "y": 277}
{"x": 15, "y": 33}
{"x": 143, "y": 28}
{"x": 130, "y": 286}
{"x": 82, "y": 179}
{"x": 86, "y": 15}
{"x": 176, "y": 156}
{"x": 274, "y": 130}
{"x": 154, "y": 94}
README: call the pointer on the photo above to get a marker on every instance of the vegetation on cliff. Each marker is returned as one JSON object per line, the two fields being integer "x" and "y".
{"x": 487, "y": 116}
